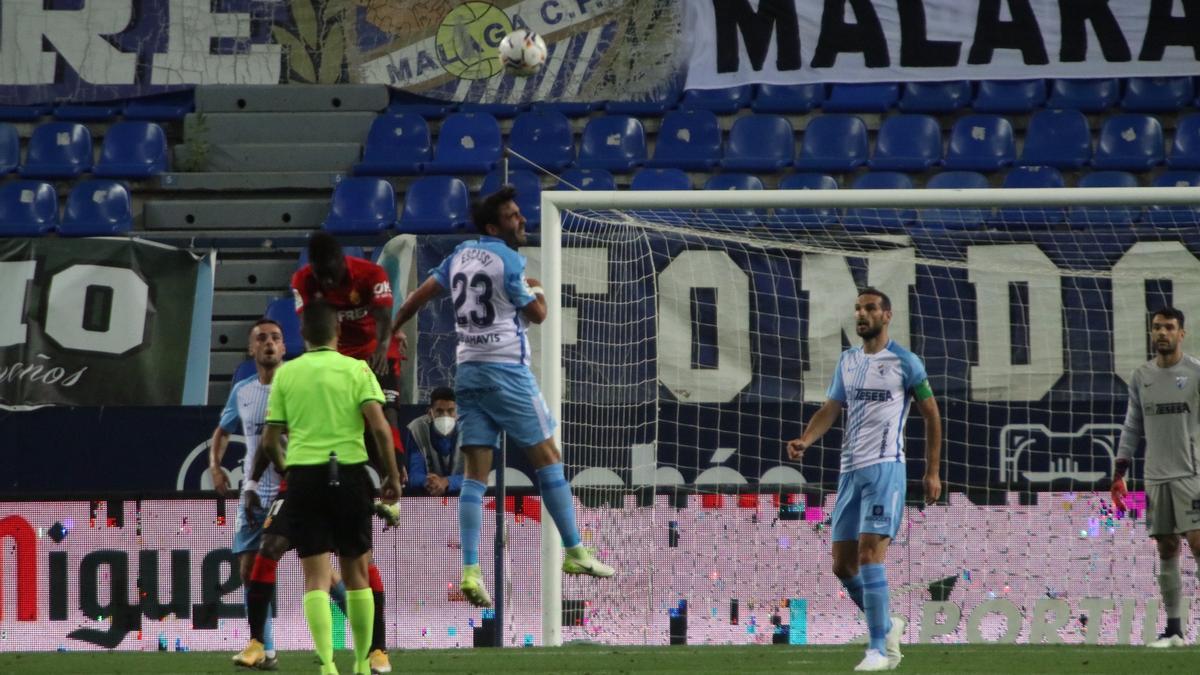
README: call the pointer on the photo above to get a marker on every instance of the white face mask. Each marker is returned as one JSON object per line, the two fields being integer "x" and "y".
{"x": 444, "y": 425}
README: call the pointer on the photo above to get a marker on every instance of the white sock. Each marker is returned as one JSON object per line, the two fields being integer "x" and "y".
{"x": 270, "y": 653}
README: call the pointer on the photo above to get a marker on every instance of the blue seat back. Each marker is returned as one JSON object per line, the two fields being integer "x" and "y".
{"x": 612, "y": 142}
{"x": 586, "y": 179}
{"x": 1031, "y": 218}
{"x": 58, "y": 150}
{"x": 1089, "y": 96}
{"x": 726, "y": 100}
{"x": 435, "y": 204}
{"x": 661, "y": 179}
{"x": 362, "y": 205}
{"x": 283, "y": 311}
{"x": 935, "y": 97}
{"x": 765, "y": 139}
{"x": 398, "y": 136}
{"x": 95, "y": 208}
{"x": 1158, "y": 94}
{"x": 1129, "y": 142}
{"x": 981, "y": 143}
{"x": 244, "y": 370}
{"x": 788, "y": 98}
{"x": 529, "y": 192}
{"x": 1057, "y": 138}
{"x": 737, "y": 181}
{"x": 802, "y": 217}
{"x": 133, "y": 150}
{"x": 1185, "y": 149}
{"x": 688, "y": 139}
{"x": 908, "y": 143}
{"x": 10, "y": 148}
{"x": 958, "y": 218}
{"x": 544, "y": 137}
{"x": 171, "y": 106}
{"x": 1086, "y": 217}
{"x": 833, "y": 143}
{"x": 27, "y": 208}
{"x": 468, "y": 137}
{"x": 1175, "y": 216}
{"x": 1009, "y": 96}
{"x": 880, "y": 219}
{"x": 873, "y": 97}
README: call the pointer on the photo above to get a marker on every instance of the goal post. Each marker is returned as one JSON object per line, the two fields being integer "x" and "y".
{"x": 746, "y": 221}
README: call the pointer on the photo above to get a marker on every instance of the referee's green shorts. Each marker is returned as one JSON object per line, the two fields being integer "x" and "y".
{"x": 1173, "y": 507}
{"x": 326, "y": 519}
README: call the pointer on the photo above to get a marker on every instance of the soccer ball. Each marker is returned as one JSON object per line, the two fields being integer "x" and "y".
{"x": 522, "y": 52}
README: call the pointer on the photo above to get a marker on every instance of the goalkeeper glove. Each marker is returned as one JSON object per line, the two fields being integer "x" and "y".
{"x": 1118, "y": 489}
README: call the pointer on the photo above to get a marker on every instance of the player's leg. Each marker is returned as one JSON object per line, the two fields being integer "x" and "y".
{"x": 337, "y": 591}
{"x": 311, "y": 501}
{"x": 352, "y": 541}
{"x": 259, "y": 651}
{"x": 260, "y": 587}
{"x": 380, "y": 663}
{"x": 845, "y": 539}
{"x": 1162, "y": 513}
{"x": 470, "y": 517}
{"x": 556, "y": 495}
{"x": 881, "y": 505}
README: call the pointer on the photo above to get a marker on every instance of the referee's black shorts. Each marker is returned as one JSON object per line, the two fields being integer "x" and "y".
{"x": 326, "y": 519}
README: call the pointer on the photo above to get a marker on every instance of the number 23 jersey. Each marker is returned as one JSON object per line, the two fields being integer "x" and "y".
{"x": 486, "y": 280}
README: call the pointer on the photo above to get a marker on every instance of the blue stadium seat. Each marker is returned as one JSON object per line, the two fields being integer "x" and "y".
{"x": 1174, "y": 216}
{"x": 935, "y": 97}
{"x": 1158, "y": 94}
{"x": 568, "y": 108}
{"x": 529, "y": 192}
{"x": 435, "y": 205}
{"x": 430, "y": 110}
{"x": 688, "y": 139}
{"x": 133, "y": 150}
{"x": 586, "y": 179}
{"x": 163, "y": 107}
{"x": 1129, "y": 142}
{"x": 1031, "y": 218}
{"x": 58, "y": 150}
{"x": 361, "y": 205}
{"x": 834, "y": 143}
{"x": 28, "y": 208}
{"x": 793, "y": 99}
{"x": 244, "y": 370}
{"x": 398, "y": 144}
{"x": 97, "y": 208}
{"x": 1057, "y": 138}
{"x": 722, "y": 101}
{"x": 1185, "y": 150}
{"x": 467, "y": 143}
{"x": 1089, "y": 96}
{"x": 884, "y": 219}
{"x": 545, "y": 138}
{"x": 981, "y": 143}
{"x": 645, "y": 108}
{"x": 1009, "y": 96}
{"x": 500, "y": 111}
{"x": 737, "y": 181}
{"x": 873, "y": 97}
{"x": 958, "y": 218}
{"x": 93, "y": 112}
{"x": 283, "y": 311}
{"x": 661, "y": 179}
{"x": 24, "y": 113}
{"x": 1083, "y": 217}
{"x": 614, "y": 143}
{"x": 10, "y": 148}
{"x": 819, "y": 217}
{"x": 760, "y": 143}
{"x": 908, "y": 143}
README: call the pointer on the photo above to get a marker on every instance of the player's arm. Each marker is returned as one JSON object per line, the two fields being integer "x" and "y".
{"x": 928, "y": 407}
{"x": 271, "y": 449}
{"x": 385, "y": 457}
{"x": 427, "y": 291}
{"x": 216, "y": 451}
{"x": 1132, "y": 432}
{"x": 381, "y": 312}
{"x": 820, "y": 422}
{"x": 535, "y": 312}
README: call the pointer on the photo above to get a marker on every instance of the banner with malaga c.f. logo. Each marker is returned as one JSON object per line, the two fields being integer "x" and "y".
{"x": 105, "y": 321}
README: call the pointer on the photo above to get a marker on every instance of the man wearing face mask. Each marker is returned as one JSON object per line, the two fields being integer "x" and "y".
{"x": 438, "y": 463}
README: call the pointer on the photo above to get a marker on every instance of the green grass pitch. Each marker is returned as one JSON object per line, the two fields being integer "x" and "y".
{"x": 924, "y": 659}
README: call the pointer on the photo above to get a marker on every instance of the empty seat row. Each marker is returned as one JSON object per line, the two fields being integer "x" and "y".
{"x": 160, "y": 107}
{"x": 1137, "y": 94}
{"x": 94, "y": 207}
{"x": 764, "y": 143}
{"x": 64, "y": 150}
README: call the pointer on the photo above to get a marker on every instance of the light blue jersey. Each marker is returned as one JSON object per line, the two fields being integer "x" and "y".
{"x": 876, "y": 390}
{"x": 247, "y": 404}
{"x": 486, "y": 279}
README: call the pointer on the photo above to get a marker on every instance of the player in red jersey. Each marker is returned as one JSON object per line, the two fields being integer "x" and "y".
{"x": 360, "y": 293}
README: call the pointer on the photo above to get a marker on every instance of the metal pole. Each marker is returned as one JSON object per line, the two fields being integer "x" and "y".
{"x": 498, "y": 549}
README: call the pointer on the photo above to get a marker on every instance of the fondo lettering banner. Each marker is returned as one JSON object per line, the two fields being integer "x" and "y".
{"x": 103, "y": 322}
{"x": 794, "y": 42}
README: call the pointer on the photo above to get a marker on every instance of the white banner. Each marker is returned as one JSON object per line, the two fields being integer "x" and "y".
{"x": 800, "y": 41}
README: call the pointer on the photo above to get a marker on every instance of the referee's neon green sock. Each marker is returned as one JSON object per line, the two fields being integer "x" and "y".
{"x": 360, "y": 605}
{"x": 320, "y": 624}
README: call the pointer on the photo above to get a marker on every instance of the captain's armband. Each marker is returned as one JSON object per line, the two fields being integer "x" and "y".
{"x": 923, "y": 391}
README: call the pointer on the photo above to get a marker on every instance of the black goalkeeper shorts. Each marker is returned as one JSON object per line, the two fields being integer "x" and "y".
{"x": 326, "y": 519}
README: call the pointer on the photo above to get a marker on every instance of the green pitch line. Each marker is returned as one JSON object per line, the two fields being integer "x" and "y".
{"x": 924, "y": 659}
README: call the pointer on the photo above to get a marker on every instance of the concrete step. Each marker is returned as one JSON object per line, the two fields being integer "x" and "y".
{"x": 301, "y": 213}
{"x": 260, "y": 276}
{"x": 230, "y": 334}
{"x": 249, "y": 181}
{"x": 265, "y": 241}
{"x": 218, "y": 389}
{"x": 278, "y": 127}
{"x": 222, "y": 364}
{"x": 338, "y": 157}
{"x": 237, "y": 304}
{"x": 292, "y": 98}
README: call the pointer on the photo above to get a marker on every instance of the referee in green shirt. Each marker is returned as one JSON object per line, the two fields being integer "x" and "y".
{"x": 321, "y": 400}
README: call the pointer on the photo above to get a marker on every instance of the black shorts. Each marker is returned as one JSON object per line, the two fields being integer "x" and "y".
{"x": 277, "y": 523}
{"x": 326, "y": 519}
{"x": 390, "y": 384}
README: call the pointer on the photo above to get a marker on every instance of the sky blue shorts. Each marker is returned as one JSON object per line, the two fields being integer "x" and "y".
{"x": 496, "y": 397}
{"x": 248, "y": 536}
{"x": 870, "y": 500}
